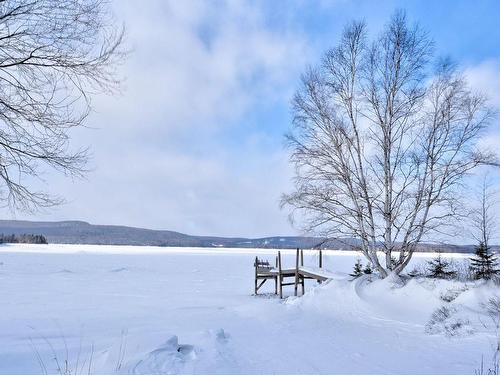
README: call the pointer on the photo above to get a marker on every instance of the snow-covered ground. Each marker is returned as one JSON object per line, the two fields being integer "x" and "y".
{"x": 145, "y": 310}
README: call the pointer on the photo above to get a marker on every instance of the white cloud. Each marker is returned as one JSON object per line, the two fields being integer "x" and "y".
{"x": 181, "y": 149}
{"x": 485, "y": 78}
{"x": 200, "y": 65}
{"x": 176, "y": 150}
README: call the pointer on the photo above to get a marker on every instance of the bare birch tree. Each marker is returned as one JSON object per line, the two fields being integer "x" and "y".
{"x": 482, "y": 217}
{"x": 54, "y": 55}
{"x": 380, "y": 143}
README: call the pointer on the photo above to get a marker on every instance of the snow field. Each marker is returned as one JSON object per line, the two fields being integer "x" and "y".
{"x": 146, "y": 310}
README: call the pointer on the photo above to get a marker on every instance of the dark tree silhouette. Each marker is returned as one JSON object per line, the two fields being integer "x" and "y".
{"x": 484, "y": 265}
{"x": 439, "y": 268}
{"x": 54, "y": 55}
{"x": 357, "y": 269}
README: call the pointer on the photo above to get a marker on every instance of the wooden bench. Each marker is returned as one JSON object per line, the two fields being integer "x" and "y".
{"x": 264, "y": 271}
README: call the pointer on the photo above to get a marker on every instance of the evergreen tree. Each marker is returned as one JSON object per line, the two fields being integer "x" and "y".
{"x": 438, "y": 268}
{"x": 484, "y": 265}
{"x": 358, "y": 269}
{"x": 414, "y": 272}
{"x": 23, "y": 238}
{"x": 368, "y": 269}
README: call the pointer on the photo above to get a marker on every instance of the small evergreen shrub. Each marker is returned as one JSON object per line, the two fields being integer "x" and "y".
{"x": 368, "y": 269}
{"x": 484, "y": 264}
{"x": 439, "y": 268}
{"x": 357, "y": 269}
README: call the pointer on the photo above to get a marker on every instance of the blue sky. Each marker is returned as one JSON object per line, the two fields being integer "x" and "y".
{"x": 195, "y": 141}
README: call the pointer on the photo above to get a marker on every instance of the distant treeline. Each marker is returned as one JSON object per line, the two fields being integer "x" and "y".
{"x": 23, "y": 238}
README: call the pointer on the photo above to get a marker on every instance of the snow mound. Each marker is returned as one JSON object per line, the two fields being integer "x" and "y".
{"x": 210, "y": 354}
{"x": 168, "y": 358}
{"x": 445, "y": 307}
{"x": 370, "y": 298}
{"x": 121, "y": 269}
{"x": 447, "y": 321}
{"x": 64, "y": 270}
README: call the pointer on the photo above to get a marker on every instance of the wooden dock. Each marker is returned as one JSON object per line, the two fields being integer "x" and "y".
{"x": 281, "y": 276}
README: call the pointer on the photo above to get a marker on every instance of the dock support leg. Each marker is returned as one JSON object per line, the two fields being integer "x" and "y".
{"x": 296, "y": 272}
{"x": 302, "y": 264}
{"x": 276, "y": 278}
{"x": 280, "y": 277}
{"x": 256, "y": 262}
{"x": 320, "y": 261}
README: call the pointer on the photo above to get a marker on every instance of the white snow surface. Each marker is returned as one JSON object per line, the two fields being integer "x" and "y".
{"x": 149, "y": 310}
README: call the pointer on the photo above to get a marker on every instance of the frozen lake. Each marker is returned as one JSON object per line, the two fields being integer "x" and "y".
{"x": 121, "y": 304}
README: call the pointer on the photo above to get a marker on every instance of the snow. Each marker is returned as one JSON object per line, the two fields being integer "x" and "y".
{"x": 323, "y": 272}
{"x": 149, "y": 310}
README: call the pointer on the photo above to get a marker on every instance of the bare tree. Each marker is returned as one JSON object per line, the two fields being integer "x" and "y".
{"x": 482, "y": 216}
{"x": 380, "y": 146}
{"x": 54, "y": 55}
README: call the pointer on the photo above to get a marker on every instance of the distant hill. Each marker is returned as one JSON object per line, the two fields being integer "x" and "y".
{"x": 80, "y": 232}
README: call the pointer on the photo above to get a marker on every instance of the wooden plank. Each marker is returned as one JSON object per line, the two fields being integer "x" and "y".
{"x": 265, "y": 277}
{"x": 313, "y": 275}
{"x": 260, "y": 285}
{"x": 286, "y": 271}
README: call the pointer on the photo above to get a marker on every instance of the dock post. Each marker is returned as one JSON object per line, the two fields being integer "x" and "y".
{"x": 302, "y": 279}
{"x": 296, "y": 272}
{"x": 276, "y": 278}
{"x": 280, "y": 277}
{"x": 256, "y": 262}
{"x": 320, "y": 261}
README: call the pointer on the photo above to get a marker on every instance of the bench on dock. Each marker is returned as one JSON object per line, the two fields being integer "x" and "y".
{"x": 264, "y": 271}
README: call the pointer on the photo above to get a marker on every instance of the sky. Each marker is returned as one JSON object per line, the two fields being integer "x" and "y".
{"x": 195, "y": 141}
